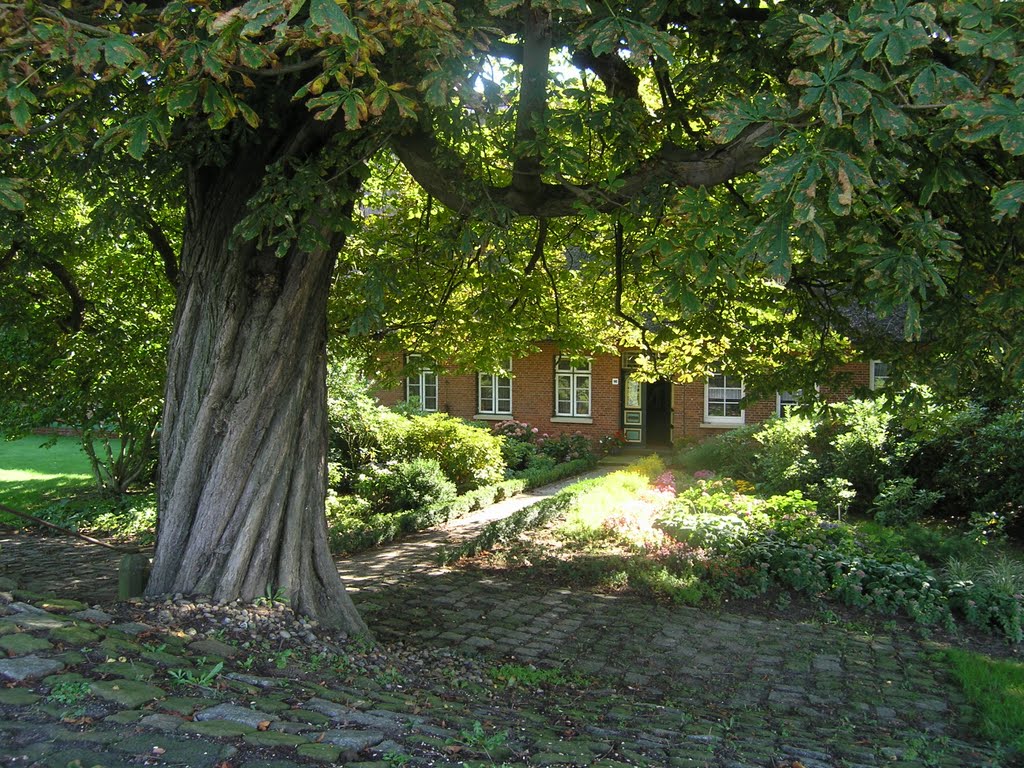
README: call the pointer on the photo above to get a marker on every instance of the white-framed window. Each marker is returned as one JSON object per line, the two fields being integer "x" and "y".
{"x": 787, "y": 400}
{"x": 722, "y": 395}
{"x": 879, "y": 374}
{"x": 572, "y": 387}
{"x": 494, "y": 393}
{"x": 421, "y": 385}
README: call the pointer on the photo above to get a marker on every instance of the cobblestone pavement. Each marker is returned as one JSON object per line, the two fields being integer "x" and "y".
{"x": 671, "y": 686}
{"x": 826, "y": 695}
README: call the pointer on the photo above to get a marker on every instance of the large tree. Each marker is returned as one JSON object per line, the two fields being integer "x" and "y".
{"x": 818, "y": 160}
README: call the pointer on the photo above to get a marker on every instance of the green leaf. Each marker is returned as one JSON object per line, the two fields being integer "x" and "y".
{"x": 1007, "y": 200}
{"x": 182, "y": 98}
{"x": 898, "y": 48}
{"x": 328, "y": 14}
{"x": 10, "y": 198}
{"x": 249, "y": 114}
{"x": 350, "y": 106}
{"x": 853, "y": 95}
{"x": 890, "y": 119}
{"x": 120, "y": 53}
{"x": 138, "y": 144}
{"x": 21, "y": 113}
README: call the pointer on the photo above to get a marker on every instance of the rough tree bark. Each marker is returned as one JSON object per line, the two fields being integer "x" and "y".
{"x": 244, "y": 444}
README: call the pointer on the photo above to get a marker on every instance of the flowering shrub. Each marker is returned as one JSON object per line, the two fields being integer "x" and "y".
{"x": 666, "y": 483}
{"x": 611, "y": 443}
{"x": 518, "y": 430}
{"x": 566, "y": 447}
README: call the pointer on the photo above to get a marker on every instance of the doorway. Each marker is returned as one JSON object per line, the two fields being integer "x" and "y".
{"x": 646, "y": 412}
{"x": 658, "y": 408}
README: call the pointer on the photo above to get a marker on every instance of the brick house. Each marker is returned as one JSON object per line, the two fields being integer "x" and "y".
{"x": 598, "y": 397}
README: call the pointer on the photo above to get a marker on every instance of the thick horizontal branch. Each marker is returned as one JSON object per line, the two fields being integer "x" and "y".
{"x": 443, "y": 174}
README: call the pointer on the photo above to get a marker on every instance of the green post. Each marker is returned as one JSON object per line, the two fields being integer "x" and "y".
{"x": 132, "y": 575}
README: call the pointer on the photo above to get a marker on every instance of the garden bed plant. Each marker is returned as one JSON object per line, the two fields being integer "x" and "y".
{"x": 397, "y": 472}
{"x": 715, "y": 539}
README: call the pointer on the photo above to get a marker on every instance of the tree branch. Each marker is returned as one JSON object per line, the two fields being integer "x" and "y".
{"x": 538, "y": 253}
{"x": 533, "y": 97}
{"x": 75, "y": 317}
{"x": 162, "y": 246}
{"x": 444, "y": 175}
{"x": 7, "y": 258}
{"x": 620, "y": 81}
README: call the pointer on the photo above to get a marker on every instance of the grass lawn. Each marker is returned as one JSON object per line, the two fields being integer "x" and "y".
{"x": 32, "y": 477}
{"x": 996, "y": 689}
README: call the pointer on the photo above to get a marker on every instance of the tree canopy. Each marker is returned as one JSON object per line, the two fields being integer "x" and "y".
{"x": 744, "y": 182}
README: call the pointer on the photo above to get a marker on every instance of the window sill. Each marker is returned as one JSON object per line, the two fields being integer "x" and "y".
{"x": 571, "y": 420}
{"x": 492, "y": 416}
{"x": 721, "y": 424}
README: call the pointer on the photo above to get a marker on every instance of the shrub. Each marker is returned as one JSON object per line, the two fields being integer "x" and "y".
{"x": 362, "y": 432}
{"x": 517, "y": 454}
{"x": 988, "y": 467}
{"x": 567, "y": 447}
{"x": 989, "y": 593}
{"x": 404, "y": 485}
{"x": 468, "y": 455}
{"x": 899, "y": 502}
{"x": 852, "y": 445}
{"x": 540, "y": 462}
{"x": 731, "y": 453}
{"x": 783, "y": 462}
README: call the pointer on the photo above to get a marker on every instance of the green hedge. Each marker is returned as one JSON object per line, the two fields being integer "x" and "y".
{"x": 352, "y": 530}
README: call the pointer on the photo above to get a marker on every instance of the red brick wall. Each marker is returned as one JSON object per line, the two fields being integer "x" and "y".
{"x": 533, "y": 394}
{"x": 688, "y": 403}
{"x": 533, "y": 397}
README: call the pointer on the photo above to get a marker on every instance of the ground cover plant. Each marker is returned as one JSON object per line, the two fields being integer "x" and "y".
{"x": 897, "y": 458}
{"x": 995, "y": 687}
{"x": 711, "y": 539}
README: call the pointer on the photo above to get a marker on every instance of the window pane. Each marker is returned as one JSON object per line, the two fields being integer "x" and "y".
{"x": 486, "y": 382}
{"x": 582, "y": 396}
{"x": 563, "y": 395}
{"x": 504, "y": 395}
{"x": 429, "y": 385}
{"x": 723, "y": 396}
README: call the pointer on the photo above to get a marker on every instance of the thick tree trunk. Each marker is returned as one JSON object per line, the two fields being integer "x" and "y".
{"x": 244, "y": 443}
